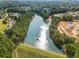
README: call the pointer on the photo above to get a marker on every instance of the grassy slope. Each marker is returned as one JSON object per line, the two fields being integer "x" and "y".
{"x": 2, "y": 26}
{"x": 25, "y": 51}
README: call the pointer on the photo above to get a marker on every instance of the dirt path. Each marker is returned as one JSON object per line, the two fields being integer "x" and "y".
{"x": 15, "y": 54}
{"x": 60, "y": 27}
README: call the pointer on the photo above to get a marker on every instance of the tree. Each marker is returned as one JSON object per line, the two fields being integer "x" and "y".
{"x": 69, "y": 40}
{"x": 9, "y": 32}
{"x": 5, "y": 21}
{"x": 6, "y": 46}
{"x": 20, "y": 28}
{"x": 67, "y": 17}
{"x": 70, "y": 50}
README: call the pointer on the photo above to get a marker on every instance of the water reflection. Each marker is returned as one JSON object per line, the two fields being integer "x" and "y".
{"x": 42, "y": 39}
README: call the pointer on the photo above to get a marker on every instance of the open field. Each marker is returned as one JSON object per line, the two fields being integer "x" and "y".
{"x": 25, "y": 51}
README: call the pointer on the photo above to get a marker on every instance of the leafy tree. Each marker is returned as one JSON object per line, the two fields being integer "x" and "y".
{"x": 20, "y": 28}
{"x": 67, "y": 17}
{"x": 9, "y": 32}
{"x": 6, "y": 46}
{"x": 69, "y": 40}
{"x": 5, "y": 21}
{"x": 70, "y": 50}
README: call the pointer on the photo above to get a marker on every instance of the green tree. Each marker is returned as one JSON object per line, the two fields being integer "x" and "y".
{"x": 70, "y": 50}
{"x": 6, "y": 46}
{"x": 67, "y": 17}
{"x": 9, "y": 32}
{"x": 5, "y": 21}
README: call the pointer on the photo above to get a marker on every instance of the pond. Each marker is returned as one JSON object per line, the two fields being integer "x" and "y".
{"x": 38, "y": 35}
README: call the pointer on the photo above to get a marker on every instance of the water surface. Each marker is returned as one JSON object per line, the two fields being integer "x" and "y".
{"x": 38, "y": 35}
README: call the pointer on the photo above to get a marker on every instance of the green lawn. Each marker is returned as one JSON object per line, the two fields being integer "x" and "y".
{"x": 26, "y": 51}
{"x": 2, "y": 26}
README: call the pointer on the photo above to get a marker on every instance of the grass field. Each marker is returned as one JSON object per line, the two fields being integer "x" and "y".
{"x": 25, "y": 51}
{"x": 2, "y": 26}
